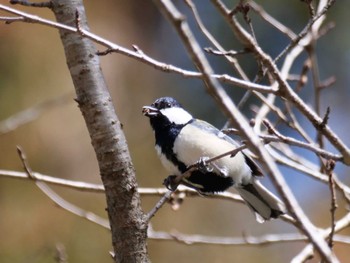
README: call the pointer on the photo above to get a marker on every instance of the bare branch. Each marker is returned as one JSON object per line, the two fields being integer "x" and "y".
{"x": 57, "y": 199}
{"x": 287, "y": 92}
{"x": 216, "y": 90}
{"x": 329, "y": 169}
{"x": 47, "y": 4}
{"x": 271, "y": 20}
{"x": 140, "y": 56}
{"x": 319, "y": 17}
{"x": 246, "y": 240}
{"x": 212, "y": 39}
{"x": 187, "y": 239}
{"x": 270, "y": 149}
{"x": 81, "y": 186}
{"x": 172, "y": 182}
{"x": 99, "y": 188}
{"x": 291, "y": 141}
{"x": 32, "y": 113}
{"x": 88, "y": 187}
{"x": 160, "y": 203}
{"x": 284, "y": 89}
{"x": 73, "y": 208}
{"x": 307, "y": 252}
{"x": 26, "y": 166}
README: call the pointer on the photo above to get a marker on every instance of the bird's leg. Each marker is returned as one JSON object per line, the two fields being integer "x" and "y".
{"x": 205, "y": 167}
{"x": 170, "y": 182}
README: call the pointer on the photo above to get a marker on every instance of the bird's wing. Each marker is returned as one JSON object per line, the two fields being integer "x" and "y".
{"x": 256, "y": 171}
{"x": 203, "y": 125}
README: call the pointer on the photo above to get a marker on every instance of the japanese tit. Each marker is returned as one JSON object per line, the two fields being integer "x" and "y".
{"x": 182, "y": 141}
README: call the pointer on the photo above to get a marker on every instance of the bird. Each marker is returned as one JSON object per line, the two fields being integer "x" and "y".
{"x": 182, "y": 141}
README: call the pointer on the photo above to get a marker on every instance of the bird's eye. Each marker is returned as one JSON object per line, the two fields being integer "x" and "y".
{"x": 168, "y": 105}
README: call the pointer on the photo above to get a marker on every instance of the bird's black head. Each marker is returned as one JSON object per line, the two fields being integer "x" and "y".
{"x": 166, "y": 102}
{"x": 166, "y": 111}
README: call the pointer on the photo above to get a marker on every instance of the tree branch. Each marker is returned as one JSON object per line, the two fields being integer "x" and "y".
{"x": 32, "y": 113}
{"x": 284, "y": 88}
{"x": 289, "y": 199}
{"x": 246, "y": 240}
{"x": 137, "y": 54}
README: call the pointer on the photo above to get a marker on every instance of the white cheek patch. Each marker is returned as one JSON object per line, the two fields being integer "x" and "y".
{"x": 177, "y": 115}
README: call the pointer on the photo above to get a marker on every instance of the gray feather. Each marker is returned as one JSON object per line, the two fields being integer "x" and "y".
{"x": 261, "y": 201}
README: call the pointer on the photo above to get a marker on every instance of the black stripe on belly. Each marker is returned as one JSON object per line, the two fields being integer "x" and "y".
{"x": 208, "y": 182}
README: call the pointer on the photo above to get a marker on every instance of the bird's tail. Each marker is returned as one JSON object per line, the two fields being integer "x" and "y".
{"x": 262, "y": 202}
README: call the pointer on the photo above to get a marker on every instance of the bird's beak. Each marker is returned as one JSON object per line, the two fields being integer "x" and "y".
{"x": 150, "y": 111}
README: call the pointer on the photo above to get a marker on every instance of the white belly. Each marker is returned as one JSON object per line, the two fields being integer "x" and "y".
{"x": 193, "y": 143}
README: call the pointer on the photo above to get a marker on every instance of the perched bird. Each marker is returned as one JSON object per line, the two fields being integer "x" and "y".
{"x": 182, "y": 141}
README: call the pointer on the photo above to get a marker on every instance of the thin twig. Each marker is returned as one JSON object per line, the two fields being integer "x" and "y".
{"x": 83, "y": 186}
{"x": 98, "y": 188}
{"x": 327, "y": 82}
{"x": 311, "y": 49}
{"x": 159, "y": 204}
{"x": 329, "y": 169}
{"x": 217, "y": 91}
{"x": 196, "y": 165}
{"x": 325, "y": 119}
{"x": 310, "y": 7}
{"x": 230, "y": 53}
{"x": 187, "y": 239}
{"x": 303, "y": 75}
{"x": 47, "y": 4}
{"x": 246, "y": 240}
{"x": 28, "y": 115}
{"x": 25, "y": 164}
{"x": 57, "y": 199}
{"x": 310, "y": 169}
{"x": 212, "y": 39}
{"x": 278, "y": 137}
{"x": 284, "y": 88}
{"x": 307, "y": 252}
{"x": 76, "y": 185}
{"x": 291, "y": 141}
{"x": 207, "y": 75}
{"x": 139, "y": 56}
{"x": 305, "y": 30}
{"x": 319, "y": 137}
{"x": 271, "y": 20}
{"x": 285, "y": 91}
{"x": 296, "y": 124}
{"x": 244, "y": 9}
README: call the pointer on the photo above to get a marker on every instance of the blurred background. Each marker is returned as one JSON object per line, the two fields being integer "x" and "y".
{"x": 33, "y": 71}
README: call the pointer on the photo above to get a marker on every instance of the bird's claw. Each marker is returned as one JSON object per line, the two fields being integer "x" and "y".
{"x": 203, "y": 166}
{"x": 170, "y": 183}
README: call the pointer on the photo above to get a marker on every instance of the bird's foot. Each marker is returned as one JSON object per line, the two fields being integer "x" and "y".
{"x": 203, "y": 166}
{"x": 170, "y": 182}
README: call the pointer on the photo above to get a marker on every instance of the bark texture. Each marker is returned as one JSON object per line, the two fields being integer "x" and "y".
{"x": 128, "y": 222}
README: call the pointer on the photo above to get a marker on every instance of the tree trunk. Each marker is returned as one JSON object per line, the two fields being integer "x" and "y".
{"x": 128, "y": 222}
